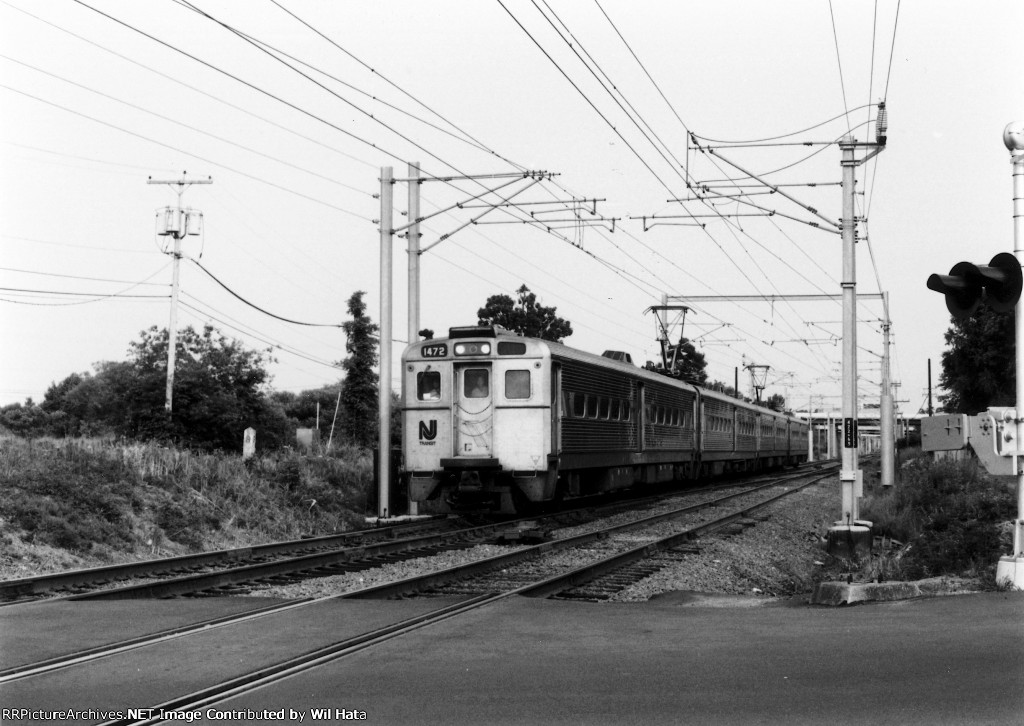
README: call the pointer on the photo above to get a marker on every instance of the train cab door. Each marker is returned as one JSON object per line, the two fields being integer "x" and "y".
{"x": 473, "y": 410}
{"x": 556, "y": 409}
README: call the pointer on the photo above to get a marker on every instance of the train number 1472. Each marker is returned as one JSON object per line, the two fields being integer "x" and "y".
{"x": 434, "y": 351}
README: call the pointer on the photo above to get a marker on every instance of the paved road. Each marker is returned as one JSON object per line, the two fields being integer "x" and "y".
{"x": 675, "y": 660}
{"x": 951, "y": 660}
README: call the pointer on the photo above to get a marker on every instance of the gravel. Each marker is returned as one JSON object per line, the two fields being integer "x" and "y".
{"x": 782, "y": 554}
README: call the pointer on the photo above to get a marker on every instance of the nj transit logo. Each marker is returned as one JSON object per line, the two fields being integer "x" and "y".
{"x": 428, "y": 432}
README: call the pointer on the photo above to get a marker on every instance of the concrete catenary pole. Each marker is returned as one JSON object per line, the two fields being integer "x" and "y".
{"x": 384, "y": 383}
{"x": 810, "y": 429}
{"x": 414, "y": 267}
{"x": 848, "y": 537}
{"x": 848, "y": 475}
{"x": 1011, "y": 568}
{"x": 885, "y": 413}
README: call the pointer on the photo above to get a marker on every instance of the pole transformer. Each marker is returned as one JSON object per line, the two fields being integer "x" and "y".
{"x": 176, "y": 223}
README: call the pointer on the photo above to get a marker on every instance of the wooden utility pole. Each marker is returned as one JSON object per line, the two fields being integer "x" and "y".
{"x": 176, "y": 223}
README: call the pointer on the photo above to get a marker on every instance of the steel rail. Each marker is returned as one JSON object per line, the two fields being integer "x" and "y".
{"x": 581, "y": 575}
{"x": 266, "y": 676}
{"x": 259, "y": 570}
{"x": 39, "y": 584}
{"x": 441, "y": 577}
{"x": 415, "y": 583}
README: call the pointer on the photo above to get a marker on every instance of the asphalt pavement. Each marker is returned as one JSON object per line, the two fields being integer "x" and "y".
{"x": 682, "y": 659}
{"x": 679, "y": 659}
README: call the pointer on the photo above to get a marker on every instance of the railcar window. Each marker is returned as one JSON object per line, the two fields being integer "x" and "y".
{"x": 428, "y": 385}
{"x": 627, "y": 411}
{"x": 615, "y": 412}
{"x": 507, "y": 348}
{"x": 578, "y": 405}
{"x": 476, "y": 383}
{"x": 591, "y": 406}
{"x": 517, "y": 384}
{"x": 603, "y": 406}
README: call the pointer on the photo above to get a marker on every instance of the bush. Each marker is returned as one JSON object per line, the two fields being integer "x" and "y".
{"x": 948, "y": 514}
{"x": 97, "y": 496}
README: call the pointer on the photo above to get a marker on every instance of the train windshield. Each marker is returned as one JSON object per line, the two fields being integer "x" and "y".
{"x": 428, "y": 385}
{"x": 476, "y": 383}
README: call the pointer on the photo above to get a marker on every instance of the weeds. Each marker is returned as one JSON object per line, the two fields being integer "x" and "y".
{"x": 947, "y": 517}
{"x": 98, "y": 496}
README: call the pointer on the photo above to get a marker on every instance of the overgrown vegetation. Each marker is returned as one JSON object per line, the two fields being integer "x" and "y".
{"x": 111, "y": 501}
{"x": 220, "y": 389}
{"x": 949, "y": 517}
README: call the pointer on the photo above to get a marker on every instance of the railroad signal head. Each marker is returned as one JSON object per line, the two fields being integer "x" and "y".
{"x": 999, "y": 282}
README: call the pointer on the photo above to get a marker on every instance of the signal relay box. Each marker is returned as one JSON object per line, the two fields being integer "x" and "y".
{"x": 984, "y": 433}
{"x": 945, "y": 432}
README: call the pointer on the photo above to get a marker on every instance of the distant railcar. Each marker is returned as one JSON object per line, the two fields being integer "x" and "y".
{"x": 495, "y": 420}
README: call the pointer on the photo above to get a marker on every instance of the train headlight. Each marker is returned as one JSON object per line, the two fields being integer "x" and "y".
{"x": 472, "y": 349}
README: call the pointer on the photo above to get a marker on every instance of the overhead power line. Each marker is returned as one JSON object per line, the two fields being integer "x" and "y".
{"x": 257, "y": 307}
{"x": 182, "y": 151}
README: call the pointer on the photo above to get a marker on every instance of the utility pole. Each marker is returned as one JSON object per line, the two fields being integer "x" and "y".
{"x": 175, "y": 224}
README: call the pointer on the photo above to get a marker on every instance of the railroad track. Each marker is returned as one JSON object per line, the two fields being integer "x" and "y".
{"x": 533, "y": 578}
{"x": 236, "y": 571}
{"x": 479, "y": 577}
{"x": 85, "y": 580}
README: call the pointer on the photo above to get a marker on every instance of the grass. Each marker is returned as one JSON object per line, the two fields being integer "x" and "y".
{"x": 99, "y": 501}
{"x": 949, "y": 518}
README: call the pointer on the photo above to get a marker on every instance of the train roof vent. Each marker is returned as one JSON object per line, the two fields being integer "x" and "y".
{"x": 477, "y": 331}
{"x": 618, "y": 355}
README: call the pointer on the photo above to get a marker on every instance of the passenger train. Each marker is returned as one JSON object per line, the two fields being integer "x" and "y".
{"x": 495, "y": 420}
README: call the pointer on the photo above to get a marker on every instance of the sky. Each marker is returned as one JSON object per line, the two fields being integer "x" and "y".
{"x": 291, "y": 109}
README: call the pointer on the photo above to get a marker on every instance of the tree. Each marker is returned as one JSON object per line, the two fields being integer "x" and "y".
{"x": 219, "y": 390}
{"x": 24, "y": 420}
{"x": 978, "y": 365}
{"x": 776, "y": 402}
{"x": 690, "y": 365}
{"x": 525, "y": 315}
{"x": 359, "y": 391}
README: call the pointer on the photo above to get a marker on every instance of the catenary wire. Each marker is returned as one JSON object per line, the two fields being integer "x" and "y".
{"x": 181, "y": 83}
{"x": 187, "y": 153}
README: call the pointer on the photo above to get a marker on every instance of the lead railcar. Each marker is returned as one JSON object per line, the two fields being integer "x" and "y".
{"x": 492, "y": 419}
